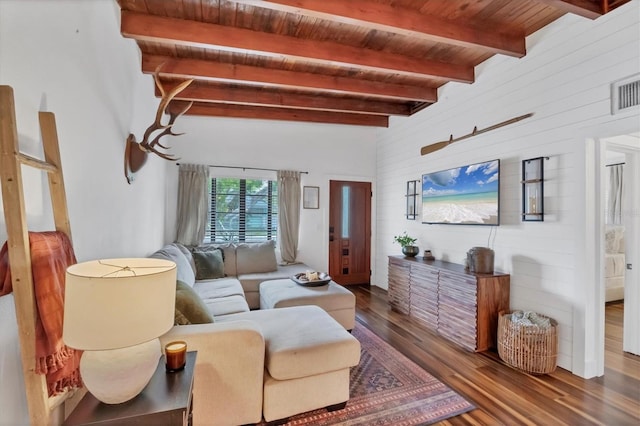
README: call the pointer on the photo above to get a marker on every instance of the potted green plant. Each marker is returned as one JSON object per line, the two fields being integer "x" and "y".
{"x": 406, "y": 242}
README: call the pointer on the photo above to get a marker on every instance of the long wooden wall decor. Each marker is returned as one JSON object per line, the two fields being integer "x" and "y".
{"x": 439, "y": 145}
{"x": 39, "y": 404}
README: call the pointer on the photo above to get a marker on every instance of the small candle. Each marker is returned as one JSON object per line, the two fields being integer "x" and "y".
{"x": 176, "y": 355}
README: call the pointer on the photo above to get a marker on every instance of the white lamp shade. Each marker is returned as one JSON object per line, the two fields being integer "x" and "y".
{"x": 115, "y": 303}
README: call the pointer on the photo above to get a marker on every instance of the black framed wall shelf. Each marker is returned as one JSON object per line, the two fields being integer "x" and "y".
{"x": 533, "y": 189}
{"x": 412, "y": 199}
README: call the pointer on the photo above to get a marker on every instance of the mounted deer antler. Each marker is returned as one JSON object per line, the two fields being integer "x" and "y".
{"x": 136, "y": 154}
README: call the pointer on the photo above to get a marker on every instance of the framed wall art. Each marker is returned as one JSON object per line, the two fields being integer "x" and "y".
{"x": 311, "y": 197}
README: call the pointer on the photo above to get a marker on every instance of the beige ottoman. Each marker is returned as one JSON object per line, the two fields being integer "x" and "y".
{"x": 307, "y": 360}
{"x": 336, "y": 300}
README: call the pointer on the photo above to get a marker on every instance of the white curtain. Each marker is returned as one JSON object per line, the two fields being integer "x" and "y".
{"x": 288, "y": 214}
{"x": 193, "y": 208}
{"x": 614, "y": 204}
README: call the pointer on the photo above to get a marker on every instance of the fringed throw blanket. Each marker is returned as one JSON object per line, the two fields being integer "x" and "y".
{"x": 51, "y": 254}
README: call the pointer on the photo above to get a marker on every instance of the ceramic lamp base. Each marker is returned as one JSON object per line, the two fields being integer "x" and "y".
{"x": 116, "y": 376}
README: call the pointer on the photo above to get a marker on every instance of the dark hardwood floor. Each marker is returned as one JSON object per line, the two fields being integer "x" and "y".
{"x": 502, "y": 394}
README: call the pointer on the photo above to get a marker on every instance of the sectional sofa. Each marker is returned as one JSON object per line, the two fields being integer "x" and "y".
{"x": 254, "y": 364}
{"x": 245, "y": 266}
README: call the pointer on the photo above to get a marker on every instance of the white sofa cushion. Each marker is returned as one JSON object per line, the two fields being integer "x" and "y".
{"x": 256, "y": 257}
{"x": 187, "y": 255}
{"x": 185, "y": 271}
{"x": 227, "y": 305}
{"x": 221, "y": 287}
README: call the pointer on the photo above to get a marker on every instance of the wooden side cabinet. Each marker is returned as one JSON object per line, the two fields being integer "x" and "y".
{"x": 442, "y": 296}
{"x": 398, "y": 291}
{"x": 423, "y": 289}
{"x": 166, "y": 400}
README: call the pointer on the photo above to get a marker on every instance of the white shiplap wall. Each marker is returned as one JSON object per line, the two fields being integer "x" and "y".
{"x": 564, "y": 80}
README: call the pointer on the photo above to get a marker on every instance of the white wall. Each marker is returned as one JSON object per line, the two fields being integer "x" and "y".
{"x": 564, "y": 80}
{"x": 68, "y": 57}
{"x": 325, "y": 151}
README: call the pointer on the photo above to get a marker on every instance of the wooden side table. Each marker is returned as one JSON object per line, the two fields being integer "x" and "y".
{"x": 166, "y": 400}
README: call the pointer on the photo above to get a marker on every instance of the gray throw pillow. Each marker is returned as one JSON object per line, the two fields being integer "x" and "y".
{"x": 209, "y": 264}
{"x": 190, "y": 309}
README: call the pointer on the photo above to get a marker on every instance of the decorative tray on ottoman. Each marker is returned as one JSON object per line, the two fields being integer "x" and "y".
{"x": 302, "y": 279}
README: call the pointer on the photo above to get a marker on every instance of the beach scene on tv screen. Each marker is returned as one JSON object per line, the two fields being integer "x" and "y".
{"x": 464, "y": 195}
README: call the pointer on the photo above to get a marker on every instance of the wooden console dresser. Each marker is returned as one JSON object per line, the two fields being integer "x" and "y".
{"x": 444, "y": 297}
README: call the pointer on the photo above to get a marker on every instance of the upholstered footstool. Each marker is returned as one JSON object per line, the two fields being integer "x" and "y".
{"x": 307, "y": 360}
{"x": 336, "y": 300}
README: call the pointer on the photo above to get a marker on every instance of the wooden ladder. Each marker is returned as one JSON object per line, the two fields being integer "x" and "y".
{"x": 11, "y": 160}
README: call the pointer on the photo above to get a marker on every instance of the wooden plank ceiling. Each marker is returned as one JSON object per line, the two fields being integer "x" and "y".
{"x": 351, "y": 62}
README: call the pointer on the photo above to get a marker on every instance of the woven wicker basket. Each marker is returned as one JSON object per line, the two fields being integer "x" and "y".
{"x": 531, "y": 349}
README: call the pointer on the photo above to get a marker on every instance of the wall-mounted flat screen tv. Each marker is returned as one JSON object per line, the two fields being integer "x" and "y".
{"x": 468, "y": 195}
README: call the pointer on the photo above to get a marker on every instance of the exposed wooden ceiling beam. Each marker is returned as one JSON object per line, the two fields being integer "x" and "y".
{"x": 398, "y": 20}
{"x": 287, "y": 114}
{"x": 585, "y": 8}
{"x": 216, "y": 71}
{"x": 219, "y": 37}
{"x": 251, "y": 96}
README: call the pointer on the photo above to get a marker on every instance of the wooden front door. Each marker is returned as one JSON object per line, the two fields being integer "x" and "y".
{"x": 350, "y": 232}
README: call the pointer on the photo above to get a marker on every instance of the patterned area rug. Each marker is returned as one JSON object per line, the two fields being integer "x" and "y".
{"x": 389, "y": 389}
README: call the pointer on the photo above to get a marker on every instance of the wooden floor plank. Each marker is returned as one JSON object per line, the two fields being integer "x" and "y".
{"x": 502, "y": 394}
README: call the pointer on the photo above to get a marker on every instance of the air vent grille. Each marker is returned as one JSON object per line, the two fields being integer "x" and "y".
{"x": 625, "y": 94}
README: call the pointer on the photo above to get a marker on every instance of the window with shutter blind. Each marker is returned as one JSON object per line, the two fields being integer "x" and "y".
{"x": 242, "y": 210}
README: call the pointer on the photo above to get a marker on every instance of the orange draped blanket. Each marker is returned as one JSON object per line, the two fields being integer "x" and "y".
{"x": 51, "y": 254}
